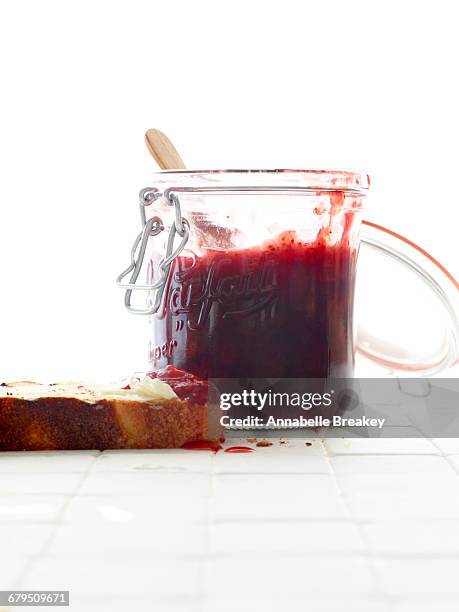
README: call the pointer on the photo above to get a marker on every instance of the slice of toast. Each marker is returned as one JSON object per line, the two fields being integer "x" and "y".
{"x": 164, "y": 410}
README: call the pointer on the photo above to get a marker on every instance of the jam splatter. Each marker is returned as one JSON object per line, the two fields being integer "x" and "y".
{"x": 264, "y": 443}
{"x": 206, "y": 445}
{"x": 239, "y": 449}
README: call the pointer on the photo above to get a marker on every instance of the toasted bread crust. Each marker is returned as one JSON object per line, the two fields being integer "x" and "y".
{"x": 69, "y": 423}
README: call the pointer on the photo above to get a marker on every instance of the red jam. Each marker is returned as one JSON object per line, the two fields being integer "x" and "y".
{"x": 206, "y": 445}
{"x": 282, "y": 309}
{"x": 186, "y": 385}
{"x": 239, "y": 449}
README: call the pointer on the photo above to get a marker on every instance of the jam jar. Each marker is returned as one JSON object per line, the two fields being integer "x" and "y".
{"x": 252, "y": 273}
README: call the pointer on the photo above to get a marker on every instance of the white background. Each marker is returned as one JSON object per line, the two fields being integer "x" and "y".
{"x": 352, "y": 85}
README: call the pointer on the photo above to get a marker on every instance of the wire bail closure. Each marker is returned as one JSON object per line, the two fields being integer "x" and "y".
{"x": 153, "y": 227}
{"x": 180, "y": 226}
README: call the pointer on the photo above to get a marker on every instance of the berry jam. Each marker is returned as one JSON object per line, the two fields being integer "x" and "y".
{"x": 282, "y": 309}
{"x": 187, "y": 386}
{"x": 202, "y": 445}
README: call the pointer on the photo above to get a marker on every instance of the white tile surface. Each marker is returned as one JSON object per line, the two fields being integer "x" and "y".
{"x": 117, "y": 580}
{"x": 30, "y": 508}
{"x": 349, "y": 525}
{"x": 39, "y": 483}
{"x": 120, "y": 539}
{"x": 414, "y": 537}
{"x": 413, "y": 577}
{"x": 271, "y": 486}
{"x": 270, "y": 463}
{"x": 20, "y": 541}
{"x": 45, "y": 461}
{"x": 174, "y": 461}
{"x": 141, "y": 605}
{"x": 285, "y": 576}
{"x": 146, "y": 483}
{"x": 449, "y": 446}
{"x": 432, "y": 606}
{"x": 454, "y": 460}
{"x": 390, "y": 464}
{"x": 292, "y": 603}
{"x": 11, "y": 570}
{"x": 278, "y": 537}
{"x": 138, "y": 509}
{"x": 385, "y": 446}
{"x": 275, "y": 496}
{"x": 283, "y": 497}
{"x": 401, "y": 497}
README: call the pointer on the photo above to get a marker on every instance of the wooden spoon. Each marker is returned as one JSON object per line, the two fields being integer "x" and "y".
{"x": 163, "y": 151}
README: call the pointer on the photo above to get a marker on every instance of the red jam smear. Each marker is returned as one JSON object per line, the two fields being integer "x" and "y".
{"x": 187, "y": 386}
{"x": 239, "y": 449}
{"x": 206, "y": 445}
{"x": 282, "y": 309}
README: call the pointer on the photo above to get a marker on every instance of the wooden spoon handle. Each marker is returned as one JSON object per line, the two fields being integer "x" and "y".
{"x": 163, "y": 151}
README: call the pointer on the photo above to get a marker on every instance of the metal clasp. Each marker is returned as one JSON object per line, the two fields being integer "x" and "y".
{"x": 153, "y": 227}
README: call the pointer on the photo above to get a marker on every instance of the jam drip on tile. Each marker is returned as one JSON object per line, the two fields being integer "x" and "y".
{"x": 205, "y": 445}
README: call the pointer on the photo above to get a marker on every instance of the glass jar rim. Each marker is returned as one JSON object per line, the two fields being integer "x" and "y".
{"x": 341, "y": 180}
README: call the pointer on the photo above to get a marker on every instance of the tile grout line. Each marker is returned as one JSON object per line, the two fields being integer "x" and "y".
{"x": 367, "y": 553}
{"x": 208, "y": 536}
{"x": 274, "y": 554}
{"x": 446, "y": 457}
{"x": 57, "y": 523}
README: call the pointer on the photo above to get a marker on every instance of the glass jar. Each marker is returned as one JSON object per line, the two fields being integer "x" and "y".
{"x": 251, "y": 273}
